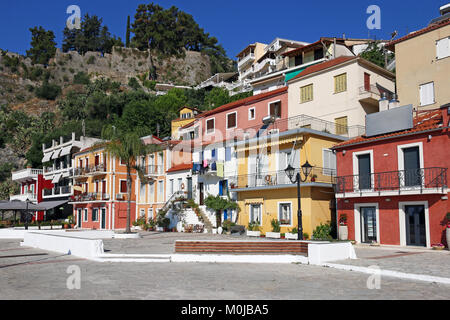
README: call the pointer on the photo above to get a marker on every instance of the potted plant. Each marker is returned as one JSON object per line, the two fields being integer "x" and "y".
{"x": 447, "y": 231}
{"x": 71, "y": 221}
{"x": 313, "y": 178}
{"x": 343, "y": 228}
{"x": 438, "y": 246}
{"x": 275, "y": 234}
{"x": 253, "y": 229}
{"x": 292, "y": 235}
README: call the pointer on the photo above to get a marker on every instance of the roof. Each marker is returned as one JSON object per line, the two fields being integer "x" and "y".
{"x": 323, "y": 66}
{"x": 180, "y": 167}
{"x": 249, "y": 46}
{"x": 391, "y": 45}
{"x": 244, "y": 101}
{"x": 292, "y": 52}
{"x": 428, "y": 121}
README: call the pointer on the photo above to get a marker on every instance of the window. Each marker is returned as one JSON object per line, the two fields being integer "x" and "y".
{"x": 87, "y": 163}
{"x": 426, "y": 94}
{"x": 251, "y": 114}
{"x": 151, "y": 188}
{"x": 142, "y": 213}
{"x": 285, "y": 214}
{"x": 232, "y": 120}
{"x": 255, "y": 213}
{"x": 275, "y": 109}
{"x": 340, "y": 83}
{"x": 318, "y": 54}
{"x": 298, "y": 60}
{"x": 341, "y": 125}
{"x": 150, "y": 213}
{"x": 85, "y": 215}
{"x": 210, "y": 125}
{"x": 171, "y": 186}
{"x": 95, "y": 214}
{"x": 160, "y": 190}
{"x": 329, "y": 162}
{"x": 306, "y": 93}
{"x": 123, "y": 186}
{"x": 180, "y": 182}
{"x": 122, "y": 162}
{"x": 443, "y": 48}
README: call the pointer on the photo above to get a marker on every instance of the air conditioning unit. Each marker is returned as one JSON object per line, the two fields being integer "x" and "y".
{"x": 274, "y": 131}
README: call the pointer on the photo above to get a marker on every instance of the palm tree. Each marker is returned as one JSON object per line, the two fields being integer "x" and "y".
{"x": 128, "y": 147}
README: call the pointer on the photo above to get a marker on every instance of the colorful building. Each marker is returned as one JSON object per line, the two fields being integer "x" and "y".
{"x": 392, "y": 183}
{"x": 100, "y": 198}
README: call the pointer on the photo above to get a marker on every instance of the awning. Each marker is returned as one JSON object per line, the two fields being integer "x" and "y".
{"x": 254, "y": 201}
{"x": 56, "y": 178}
{"x": 293, "y": 74}
{"x": 47, "y": 157}
{"x": 269, "y": 143}
{"x": 20, "y": 205}
{"x": 65, "y": 151}
{"x": 56, "y": 154}
{"x": 52, "y": 204}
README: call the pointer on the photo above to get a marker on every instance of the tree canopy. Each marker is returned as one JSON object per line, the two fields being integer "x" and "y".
{"x": 43, "y": 46}
{"x": 91, "y": 36}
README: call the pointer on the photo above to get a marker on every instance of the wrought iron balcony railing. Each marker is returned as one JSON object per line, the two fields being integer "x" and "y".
{"x": 393, "y": 181}
{"x": 89, "y": 196}
{"x": 279, "y": 178}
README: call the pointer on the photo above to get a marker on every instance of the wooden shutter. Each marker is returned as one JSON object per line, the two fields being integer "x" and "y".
{"x": 427, "y": 94}
{"x": 443, "y": 48}
{"x": 306, "y": 93}
{"x": 340, "y": 83}
{"x": 341, "y": 125}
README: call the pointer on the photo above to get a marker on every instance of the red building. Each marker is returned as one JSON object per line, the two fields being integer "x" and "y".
{"x": 392, "y": 186}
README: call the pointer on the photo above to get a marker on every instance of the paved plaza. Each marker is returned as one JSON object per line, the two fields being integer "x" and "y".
{"x": 27, "y": 273}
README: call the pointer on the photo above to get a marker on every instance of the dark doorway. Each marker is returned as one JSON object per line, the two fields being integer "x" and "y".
{"x": 189, "y": 188}
{"x": 200, "y": 187}
{"x": 415, "y": 226}
{"x": 368, "y": 224}
{"x": 411, "y": 161}
{"x": 364, "y": 172}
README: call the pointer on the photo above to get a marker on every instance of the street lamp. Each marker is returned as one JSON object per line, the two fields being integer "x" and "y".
{"x": 290, "y": 172}
{"x": 26, "y": 214}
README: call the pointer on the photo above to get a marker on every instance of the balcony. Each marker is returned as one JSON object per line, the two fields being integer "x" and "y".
{"x": 26, "y": 174}
{"x": 372, "y": 94}
{"x": 279, "y": 179}
{"x": 153, "y": 170}
{"x": 89, "y": 196}
{"x": 210, "y": 170}
{"x": 420, "y": 181}
{"x": 97, "y": 169}
{"x": 245, "y": 60}
{"x": 243, "y": 75}
{"x": 58, "y": 191}
{"x": 261, "y": 66}
{"x": 23, "y": 197}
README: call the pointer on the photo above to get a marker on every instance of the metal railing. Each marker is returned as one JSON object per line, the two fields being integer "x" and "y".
{"x": 65, "y": 190}
{"x": 89, "y": 196}
{"x": 375, "y": 90}
{"x": 153, "y": 169}
{"x": 418, "y": 179}
{"x": 277, "y": 178}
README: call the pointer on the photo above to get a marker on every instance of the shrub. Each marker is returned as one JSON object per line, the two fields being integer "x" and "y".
{"x": 322, "y": 232}
{"x": 227, "y": 224}
{"x": 275, "y": 225}
{"x": 81, "y": 78}
{"x": 253, "y": 226}
{"x": 134, "y": 84}
{"x": 91, "y": 60}
{"x": 48, "y": 91}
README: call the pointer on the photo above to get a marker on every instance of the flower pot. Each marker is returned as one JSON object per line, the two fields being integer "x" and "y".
{"x": 291, "y": 236}
{"x": 343, "y": 233}
{"x": 273, "y": 235}
{"x": 253, "y": 233}
{"x": 447, "y": 234}
{"x": 66, "y": 226}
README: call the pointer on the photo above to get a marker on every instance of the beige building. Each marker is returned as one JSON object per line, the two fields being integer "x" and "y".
{"x": 342, "y": 91}
{"x": 423, "y": 65}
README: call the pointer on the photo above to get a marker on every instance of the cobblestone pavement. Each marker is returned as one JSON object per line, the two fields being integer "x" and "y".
{"x": 27, "y": 273}
{"x": 415, "y": 261}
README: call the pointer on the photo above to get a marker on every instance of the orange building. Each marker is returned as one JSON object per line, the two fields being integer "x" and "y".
{"x": 100, "y": 190}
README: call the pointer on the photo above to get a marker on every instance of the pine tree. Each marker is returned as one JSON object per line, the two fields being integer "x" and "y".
{"x": 43, "y": 46}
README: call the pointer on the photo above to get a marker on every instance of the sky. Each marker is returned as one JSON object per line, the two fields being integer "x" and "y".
{"x": 235, "y": 23}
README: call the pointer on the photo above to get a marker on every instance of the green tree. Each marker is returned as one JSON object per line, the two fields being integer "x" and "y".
{"x": 376, "y": 53}
{"x": 43, "y": 46}
{"x": 218, "y": 204}
{"x": 7, "y": 188}
{"x": 128, "y": 147}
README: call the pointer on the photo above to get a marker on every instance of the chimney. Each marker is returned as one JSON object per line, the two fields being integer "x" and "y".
{"x": 53, "y": 143}
{"x": 394, "y": 103}
{"x": 383, "y": 103}
{"x": 73, "y": 136}
{"x": 61, "y": 140}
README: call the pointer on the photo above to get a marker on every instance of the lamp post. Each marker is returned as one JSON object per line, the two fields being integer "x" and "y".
{"x": 290, "y": 172}
{"x": 26, "y": 214}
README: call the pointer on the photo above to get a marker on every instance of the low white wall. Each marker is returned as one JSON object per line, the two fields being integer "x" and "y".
{"x": 12, "y": 233}
{"x": 228, "y": 258}
{"x": 319, "y": 253}
{"x": 86, "y": 248}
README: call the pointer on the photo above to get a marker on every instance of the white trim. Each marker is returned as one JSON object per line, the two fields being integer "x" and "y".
{"x": 292, "y": 214}
{"x": 254, "y": 113}
{"x": 206, "y": 125}
{"x": 85, "y": 214}
{"x": 357, "y": 219}
{"x": 356, "y": 164}
{"x": 420, "y": 94}
{"x": 260, "y": 212}
{"x": 402, "y": 224}
{"x": 101, "y": 218}
{"x": 120, "y": 183}
{"x": 96, "y": 208}
{"x": 401, "y": 159}
{"x": 272, "y": 102}
{"x": 226, "y": 118}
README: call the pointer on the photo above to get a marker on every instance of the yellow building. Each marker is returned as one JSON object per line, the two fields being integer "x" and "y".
{"x": 187, "y": 115}
{"x": 265, "y": 192}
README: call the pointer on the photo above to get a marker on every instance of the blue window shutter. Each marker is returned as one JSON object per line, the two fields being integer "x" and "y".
{"x": 228, "y": 154}
{"x": 220, "y": 188}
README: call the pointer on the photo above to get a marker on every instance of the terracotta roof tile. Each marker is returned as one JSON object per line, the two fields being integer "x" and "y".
{"x": 428, "y": 121}
{"x": 181, "y": 167}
